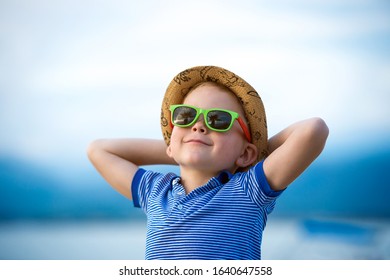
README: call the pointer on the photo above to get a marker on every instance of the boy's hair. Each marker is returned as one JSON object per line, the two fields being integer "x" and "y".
{"x": 250, "y": 100}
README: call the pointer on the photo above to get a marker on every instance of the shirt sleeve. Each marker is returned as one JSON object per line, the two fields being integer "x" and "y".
{"x": 144, "y": 184}
{"x": 135, "y": 185}
{"x": 259, "y": 189}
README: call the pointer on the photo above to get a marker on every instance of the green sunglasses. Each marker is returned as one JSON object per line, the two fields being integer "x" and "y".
{"x": 219, "y": 120}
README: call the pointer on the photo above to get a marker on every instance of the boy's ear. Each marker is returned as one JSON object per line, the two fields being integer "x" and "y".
{"x": 248, "y": 156}
{"x": 169, "y": 151}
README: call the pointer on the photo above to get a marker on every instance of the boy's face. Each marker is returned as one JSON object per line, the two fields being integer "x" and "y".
{"x": 200, "y": 148}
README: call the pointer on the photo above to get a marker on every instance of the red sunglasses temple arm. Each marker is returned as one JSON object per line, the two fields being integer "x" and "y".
{"x": 170, "y": 120}
{"x": 245, "y": 129}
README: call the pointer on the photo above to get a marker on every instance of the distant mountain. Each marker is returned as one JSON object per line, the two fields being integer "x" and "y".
{"x": 357, "y": 186}
{"x": 354, "y": 185}
{"x": 29, "y": 191}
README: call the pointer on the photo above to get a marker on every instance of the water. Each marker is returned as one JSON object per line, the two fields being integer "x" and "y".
{"x": 325, "y": 239}
{"x": 93, "y": 240}
{"x": 124, "y": 239}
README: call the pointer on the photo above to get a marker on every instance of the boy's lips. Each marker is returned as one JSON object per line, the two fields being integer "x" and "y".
{"x": 197, "y": 141}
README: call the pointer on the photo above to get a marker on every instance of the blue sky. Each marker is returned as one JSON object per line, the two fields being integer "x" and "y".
{"x": 73, "y": 71}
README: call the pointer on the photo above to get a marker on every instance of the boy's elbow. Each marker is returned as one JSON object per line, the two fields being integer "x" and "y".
{"x": 321, "y": 128}
{"x": 319, "y": 131}
{"x": 92, "y": 148}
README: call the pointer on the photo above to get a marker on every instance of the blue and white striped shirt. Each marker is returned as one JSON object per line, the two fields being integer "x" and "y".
{"x": 223, "y": 219}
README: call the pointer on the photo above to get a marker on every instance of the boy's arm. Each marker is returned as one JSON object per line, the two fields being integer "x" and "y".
{"x": 117, "y": 160}
{"x": 292, "y": 150}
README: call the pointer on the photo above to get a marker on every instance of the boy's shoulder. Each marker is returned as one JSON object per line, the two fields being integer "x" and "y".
{"x": 145, "y": 176}
{"x": 146, "y": 180}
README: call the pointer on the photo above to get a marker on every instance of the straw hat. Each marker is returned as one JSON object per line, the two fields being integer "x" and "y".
{"x": 249, "y": 98}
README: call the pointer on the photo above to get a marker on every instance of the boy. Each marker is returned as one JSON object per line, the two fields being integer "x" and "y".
{"x": 214, "y": 128}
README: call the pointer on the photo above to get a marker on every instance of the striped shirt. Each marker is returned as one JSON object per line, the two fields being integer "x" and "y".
{"x": 223, "y": 219}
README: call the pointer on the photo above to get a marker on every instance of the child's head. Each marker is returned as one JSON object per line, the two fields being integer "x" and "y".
{"x": 213, "y": 141}
{"x": 231, "y": 139}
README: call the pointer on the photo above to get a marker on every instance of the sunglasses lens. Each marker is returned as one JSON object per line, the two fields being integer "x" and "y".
{"x": 219, "y": 120}
{"x": 183, "y": 116}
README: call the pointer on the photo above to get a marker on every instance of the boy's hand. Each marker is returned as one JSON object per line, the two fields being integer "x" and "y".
{"x": 292, "y": 150}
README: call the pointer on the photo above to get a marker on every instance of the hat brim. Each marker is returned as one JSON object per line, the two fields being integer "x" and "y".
{"x": 246, "y": 94}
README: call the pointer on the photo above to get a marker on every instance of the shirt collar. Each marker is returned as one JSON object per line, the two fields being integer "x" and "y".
{"x": 224, "y": 177}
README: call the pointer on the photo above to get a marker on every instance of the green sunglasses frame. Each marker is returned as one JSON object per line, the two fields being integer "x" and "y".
{"x": 204, "y": 112}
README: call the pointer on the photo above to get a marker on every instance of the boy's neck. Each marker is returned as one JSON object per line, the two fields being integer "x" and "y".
{"x": 193, "y": 178}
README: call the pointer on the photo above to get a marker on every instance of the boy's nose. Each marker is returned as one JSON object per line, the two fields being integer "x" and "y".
{"x": 199, "y": 126}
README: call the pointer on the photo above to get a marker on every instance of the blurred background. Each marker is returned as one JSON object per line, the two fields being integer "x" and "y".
{"x": 73, "y": 71}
